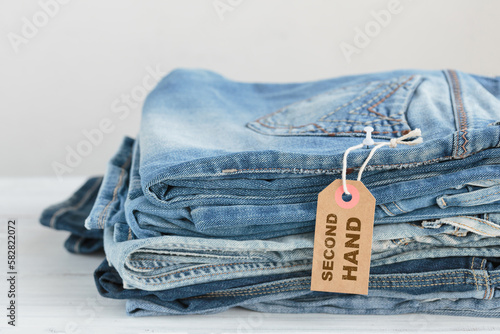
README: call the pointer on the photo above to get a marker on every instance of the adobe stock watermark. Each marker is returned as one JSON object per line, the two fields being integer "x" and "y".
{"x": 364, "y": 36}
{"x": 224, "y": 6}
{"x": 120, "y": 110}
{"x": 30, "y": 27}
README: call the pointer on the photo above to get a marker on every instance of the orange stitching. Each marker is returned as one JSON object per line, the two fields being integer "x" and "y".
{"x": 385, "y": 98}
{"x": 486, "y": 281}
{"x": 460, "y": 106}
{"x": 304, "y": 288}
{"x": 300, "y": 126}
{"x": 252, "y": 294}
{"x": 385, "y": 206}
{"x": 473, "y": 273}
{"x": 482, "y": 221}
{"x": 475, "y": 199}
{"x": 473, "y": 229}
{"x": 313, "y": 97}
{"x": 265, "y": 289}
{"x": 397, "y": 206}
{"x": 259, "y": 120}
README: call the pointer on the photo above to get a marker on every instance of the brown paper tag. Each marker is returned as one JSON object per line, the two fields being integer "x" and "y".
{"x": 343, "y": 239}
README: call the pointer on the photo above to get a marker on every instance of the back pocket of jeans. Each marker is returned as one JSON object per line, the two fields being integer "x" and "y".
{"x": 346, "y": 111}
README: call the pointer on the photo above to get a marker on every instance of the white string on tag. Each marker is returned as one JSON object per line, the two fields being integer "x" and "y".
{"x": 368, "y": 141}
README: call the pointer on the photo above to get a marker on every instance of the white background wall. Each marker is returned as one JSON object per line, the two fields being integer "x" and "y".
{"x": 65, "y": 77}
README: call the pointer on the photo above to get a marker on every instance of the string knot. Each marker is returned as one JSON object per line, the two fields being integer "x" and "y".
{"x": 391, "y": 143}
{"x": 401, "y": 140}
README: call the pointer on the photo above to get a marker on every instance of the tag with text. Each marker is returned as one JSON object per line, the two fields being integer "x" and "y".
{"x": 343, "y": 239}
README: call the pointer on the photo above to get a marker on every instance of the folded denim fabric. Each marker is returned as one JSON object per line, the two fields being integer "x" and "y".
{"x": 169, "y": 262}
{"x": 471, "y": 191}
{"x": 471, "y": 280}
{"x": 213, "y": 206}
{"x": 69, "y": 216}
{"x": 199, "y": 128}
{"x": 212, "y": 151}
{"x": 419, "y": 280}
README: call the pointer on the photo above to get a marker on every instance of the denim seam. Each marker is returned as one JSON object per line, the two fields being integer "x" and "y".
{"x": 337, "y": 170}
{"x": 443, "y": 202}
{"x": 487, "y": 283}
{"x": 406, "y": 277}
{"x": 299, "y": 281}
{"x": 386, "y": 209}
{"x": 475, "y": 199}
{"x": 314, "y": 97}
{"x": 346, "y": 104}
{"x": 297, "y": 288}
{"x": 411, "y": 282}
{"x": 100, "y": 221}
{"x": 383, "y": 279}
{"x": 419, "y": 285}
{"x": 490, "y": 296}
{"x": 74, "y": 207}
{"x": 459, "y": 109}
{"x": 387, "y": 96}
{"x": 240, "y": 294}
{"x": 482, "y": 221}
{"x": 176, "y": 253}
{"x": 397, "y": 206}
{"x": 270, "y": 124}
{"x": 359, "y": 122}
{"x": 267, "y": 289}
{"x": 191, "y": 248}
{"x": 473, "y": 272}
{"x": 135, "y": 267}
{"x": 372, "y": 284}
{"x": 472, "y": 228}
{"x": 388, "y": 86}
{"x": 419, "y": 226}
{"x": 215, "y": 274}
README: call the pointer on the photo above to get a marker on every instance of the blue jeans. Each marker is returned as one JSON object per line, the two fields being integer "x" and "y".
{"x": 223, "y": 180}
{"x": 286, "y": 142}
{"x": 412, "y": 286}
{"x": 410, "y": 283}
{"x": 472, "y": 191}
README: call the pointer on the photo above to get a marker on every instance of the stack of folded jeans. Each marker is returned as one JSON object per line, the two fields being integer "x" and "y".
{"x": 213, "y": 205}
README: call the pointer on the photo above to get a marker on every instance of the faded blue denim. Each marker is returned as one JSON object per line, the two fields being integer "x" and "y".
{"x": 221, "y": 185}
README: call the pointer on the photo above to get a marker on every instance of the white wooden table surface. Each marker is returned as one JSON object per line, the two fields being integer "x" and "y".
{"x": 56, "y": 292}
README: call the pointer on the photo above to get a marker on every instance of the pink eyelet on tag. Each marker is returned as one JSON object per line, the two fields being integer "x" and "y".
{"x": 354, "y": 200}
